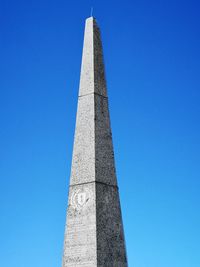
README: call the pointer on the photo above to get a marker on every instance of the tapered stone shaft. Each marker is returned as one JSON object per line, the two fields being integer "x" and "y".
{"x": 94, "y": 231}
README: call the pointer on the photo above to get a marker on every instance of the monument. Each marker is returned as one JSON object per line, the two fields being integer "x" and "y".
{"x": 94, "y": 234}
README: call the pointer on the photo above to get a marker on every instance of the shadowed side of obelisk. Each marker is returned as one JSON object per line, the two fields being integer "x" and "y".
{"x": 111, "y": 250}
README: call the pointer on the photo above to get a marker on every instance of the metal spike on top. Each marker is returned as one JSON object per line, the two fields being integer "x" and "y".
{"x": 91, "y": 12}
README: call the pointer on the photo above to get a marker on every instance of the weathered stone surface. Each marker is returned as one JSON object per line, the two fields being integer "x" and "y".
{"x": 80, "y": 242}
{"x": 94, "y": 231}
{"x": 104, "y": 156}
{"x": 83, "y": 160}
{"x": 110, "y": 235}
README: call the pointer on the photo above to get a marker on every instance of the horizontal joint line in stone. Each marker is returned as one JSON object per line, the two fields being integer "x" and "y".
{"x": 94, "y": 93}
{"x": 97, "y": 183}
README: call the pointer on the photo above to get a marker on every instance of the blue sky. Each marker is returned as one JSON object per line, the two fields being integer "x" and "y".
{"x": 152, "y": 58}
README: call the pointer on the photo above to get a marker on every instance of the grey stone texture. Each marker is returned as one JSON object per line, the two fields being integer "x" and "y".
{"x": 94, "y": 231}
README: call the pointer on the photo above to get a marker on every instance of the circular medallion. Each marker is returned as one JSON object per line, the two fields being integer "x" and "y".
{"x": 80, "y": 198}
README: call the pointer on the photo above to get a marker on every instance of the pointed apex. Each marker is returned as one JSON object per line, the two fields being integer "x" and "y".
{"x": 92, "y": 69}
{"x": 91, "y": 18}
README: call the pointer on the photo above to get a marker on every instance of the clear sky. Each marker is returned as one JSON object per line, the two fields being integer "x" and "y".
{"x": 152, "y": 58}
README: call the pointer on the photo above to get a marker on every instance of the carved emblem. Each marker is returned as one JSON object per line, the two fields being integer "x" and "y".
{"x": 80, "y": 198}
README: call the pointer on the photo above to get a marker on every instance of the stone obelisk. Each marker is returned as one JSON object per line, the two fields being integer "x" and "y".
{"x": 94, "y": 234}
